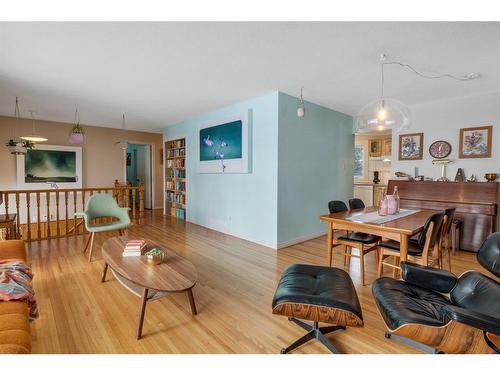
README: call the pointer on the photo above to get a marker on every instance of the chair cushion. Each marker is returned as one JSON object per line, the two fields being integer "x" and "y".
{"x": 364, "y": 238}
{"x": 477, "y": 292}
{"x": 303, "y": 284}
{"x": 403, "y": 303}
{"x": 413, "y": 248}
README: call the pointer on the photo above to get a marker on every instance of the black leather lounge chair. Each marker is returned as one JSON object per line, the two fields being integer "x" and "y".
{"x": 445, "y": 313}
{"x": 318, "y": 294}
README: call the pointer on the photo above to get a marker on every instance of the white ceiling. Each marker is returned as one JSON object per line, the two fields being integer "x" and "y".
{"x": 162, "y": 73}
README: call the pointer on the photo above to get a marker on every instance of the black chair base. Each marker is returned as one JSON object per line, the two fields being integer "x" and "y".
{"x": 313, "y": 332}
{"x": 415, "y": 344}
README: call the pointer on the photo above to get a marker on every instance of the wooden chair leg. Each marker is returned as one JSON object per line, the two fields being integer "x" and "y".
{"x": 87, "y": 243}
{"x": 91, "y": 246}
{"x": 362, "y": 265}
{"x": 349, "y": 257}
{"x": 380, "y": 260}
{"x": 395, "y": 264}
{"x": 120, "y": 232}
{"x": 448, "y": 251}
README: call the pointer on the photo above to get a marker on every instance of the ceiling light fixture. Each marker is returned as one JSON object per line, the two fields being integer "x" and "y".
{"x": 16, "y": 147}
{"x": 384, "y": 113}
{"x": 123, "y": 144}
{"x": 34, "y": 137}
{"x": 77, "y": 134}
{"x": 301, "y": 108}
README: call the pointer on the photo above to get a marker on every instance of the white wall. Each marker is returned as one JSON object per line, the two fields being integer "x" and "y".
{"x": 442, "y": 120}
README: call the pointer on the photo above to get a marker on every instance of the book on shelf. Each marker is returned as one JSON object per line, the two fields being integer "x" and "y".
{"x": 134, "y": 248}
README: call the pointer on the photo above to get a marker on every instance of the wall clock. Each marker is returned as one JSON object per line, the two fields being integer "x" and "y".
{"x": 440, "y": 149}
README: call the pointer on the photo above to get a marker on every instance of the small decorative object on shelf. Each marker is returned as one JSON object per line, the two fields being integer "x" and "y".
{"x": 376, "y": 178}
{"x": 491, "y": 177}
{"x": 472, "y": 178}
{"x": 154, "y": 256}
{"x": 443, "y": 163}
{"x": 460, "y": 177}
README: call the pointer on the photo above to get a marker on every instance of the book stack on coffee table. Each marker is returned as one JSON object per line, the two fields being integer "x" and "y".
{"x": 134, "y": 248}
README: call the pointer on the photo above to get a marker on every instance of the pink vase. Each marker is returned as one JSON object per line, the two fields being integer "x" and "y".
{"x": 382, "y": 209}
{"x": 392, "y": 205}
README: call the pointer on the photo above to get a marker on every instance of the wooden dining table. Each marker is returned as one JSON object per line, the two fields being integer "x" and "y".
{"x": 400, "y": 229}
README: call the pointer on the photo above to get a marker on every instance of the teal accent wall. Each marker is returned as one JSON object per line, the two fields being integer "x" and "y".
{"x": 244, "y": 205}
{"x": 315, "y": 166}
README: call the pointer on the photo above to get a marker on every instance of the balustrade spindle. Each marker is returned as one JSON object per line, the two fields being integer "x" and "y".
{"x": 66, "y": 212}
{"x": 28, "y": 214}
{"x": 74, "y": 210}
{"x": 58, "y": 227}
{"x": 38, "y": 228}
{"x": 18, "y": 217}
{"x": 47, "y": 220}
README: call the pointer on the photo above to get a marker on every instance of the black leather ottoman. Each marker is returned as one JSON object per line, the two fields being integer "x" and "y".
{"x": 318, "y": 294}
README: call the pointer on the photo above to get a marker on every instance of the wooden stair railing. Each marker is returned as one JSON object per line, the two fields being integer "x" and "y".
{"x": 49, "y": 213}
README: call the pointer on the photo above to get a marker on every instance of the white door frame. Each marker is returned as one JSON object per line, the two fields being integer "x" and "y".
{"x": 152, "y": 166}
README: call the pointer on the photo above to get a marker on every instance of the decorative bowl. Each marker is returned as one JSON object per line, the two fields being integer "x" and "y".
{"x": 491, "y": 177}
{"x": 154, "y": 256}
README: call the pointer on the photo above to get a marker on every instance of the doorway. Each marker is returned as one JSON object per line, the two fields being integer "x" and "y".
{"x": 138, "y": 169}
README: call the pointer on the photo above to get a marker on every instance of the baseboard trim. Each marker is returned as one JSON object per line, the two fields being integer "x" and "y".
{"x": 237, "y": 235}
{"x": 300, "y": 239}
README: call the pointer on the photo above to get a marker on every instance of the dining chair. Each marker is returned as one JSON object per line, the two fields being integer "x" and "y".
{"x": 356, "y": 204}
{"x": 103, "y": 206}
{"x": 424, "y": 250}
{"x": 444, "y": 243}
{"x": 364, "y": 242}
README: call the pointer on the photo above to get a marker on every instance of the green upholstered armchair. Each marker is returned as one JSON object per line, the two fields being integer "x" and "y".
{"x": 103, "y": 205}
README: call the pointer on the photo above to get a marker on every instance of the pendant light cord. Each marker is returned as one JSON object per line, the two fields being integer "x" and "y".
{"x": 427, "y": 76}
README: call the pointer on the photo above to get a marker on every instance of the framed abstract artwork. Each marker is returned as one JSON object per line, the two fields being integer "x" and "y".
{"x": 475, "y": 142}
{"x": 411, "y": 146}
{"x": 224, "y": 146}
{"x": 46, "y": 164}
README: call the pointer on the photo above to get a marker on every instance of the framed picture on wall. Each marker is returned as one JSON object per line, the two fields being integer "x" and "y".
{"x": 224, "y": 146}
{"x": 411, "y": 146}
{"x": 46, "y": 164}
{"x": 375, "y": 147}
{"x": 475, "y": 142}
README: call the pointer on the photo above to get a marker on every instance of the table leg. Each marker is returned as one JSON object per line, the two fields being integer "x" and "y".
{"x": 104, "y": 271}
{"x": 191, "y": 302}
{"x": 142, "y": 311}
{"x": 329, "y": 244}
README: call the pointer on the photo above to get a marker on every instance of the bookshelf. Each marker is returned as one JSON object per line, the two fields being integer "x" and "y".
{"x": 175, "y": 178}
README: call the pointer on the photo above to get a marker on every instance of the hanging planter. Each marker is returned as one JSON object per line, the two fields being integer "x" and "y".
{"x": 77, "y": 134}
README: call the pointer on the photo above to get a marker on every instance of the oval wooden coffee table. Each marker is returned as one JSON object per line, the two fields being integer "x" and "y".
{"x": 174, "y": 275}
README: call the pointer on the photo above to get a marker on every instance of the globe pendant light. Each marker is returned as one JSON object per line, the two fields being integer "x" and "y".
{"x": 392, "y": 114}
{"x": 382, "y": 114}
{"x": 34, "y": 137}
{"x": 76, "y": 135}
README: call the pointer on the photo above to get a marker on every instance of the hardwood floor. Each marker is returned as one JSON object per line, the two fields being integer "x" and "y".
{"x": 236, "y": 283}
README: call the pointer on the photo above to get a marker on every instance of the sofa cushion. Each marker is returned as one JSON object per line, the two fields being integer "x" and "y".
{"x": 13, "y": 249}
